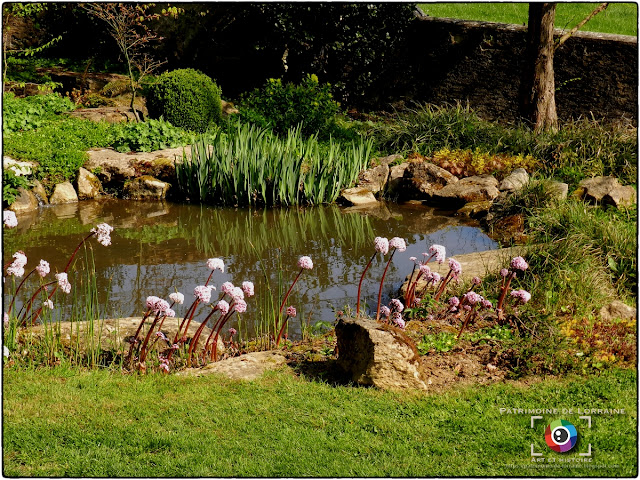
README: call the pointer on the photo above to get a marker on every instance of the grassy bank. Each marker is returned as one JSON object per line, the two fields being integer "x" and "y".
{"x": 619, "y": 18}
{"x": 72, "y": 423}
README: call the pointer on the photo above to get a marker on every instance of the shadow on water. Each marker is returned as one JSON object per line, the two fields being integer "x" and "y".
{"x": 158, "y": 248}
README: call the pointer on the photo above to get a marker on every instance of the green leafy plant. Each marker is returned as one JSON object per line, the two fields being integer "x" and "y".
{"x": 21, "y": 114}
{"x": 186, "y": 98}
{"x": 281, "y": 107}
{"x": 10, "y": 185}
{"x": 148, "y": 136}
{"x": 440, "y": 342}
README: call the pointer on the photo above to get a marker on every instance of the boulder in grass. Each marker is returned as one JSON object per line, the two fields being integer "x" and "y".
{"x": 379, "y": 355}
{"x": 617, "y": 310}
{"x": 606, "y": 190}
{"x": 374, "y": 179}
{"x": 422, "y": 179}
{"x": 88, "y": 185}
{"x": 515, "y": 181}
{"x": 479, "y": 188}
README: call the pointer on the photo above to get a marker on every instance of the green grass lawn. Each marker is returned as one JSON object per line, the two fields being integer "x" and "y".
{"x": 71, "y": 423}
{"x": 619, "y": 18}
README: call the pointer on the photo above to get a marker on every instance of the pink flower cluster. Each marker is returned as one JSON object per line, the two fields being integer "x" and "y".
{"x": 158, "y": 305}
{"x": 381, "y": 245}
{"x": 17, "y": 266}
{"x": 456, "y": 268}
{"x": 203, "y": 293}
{"x": 438, "y": 251}
{"x": 215, "y": 264}
{"x": 43, "y": 269}
{"x": 398, "y": 243}
{"x": 9, "y": 219}
{"x": 103, "y": 231}
{"x": 291, "y": 311}
{"x": 63, "y": 282}
{"x": 305, "y": 262}
{"x": 177, "y": 297}
{"x": 248, "y": 289}
{"x": 521, "y": 295}
{"x": 223, "y": 306}
{"x": 519, "y": 263}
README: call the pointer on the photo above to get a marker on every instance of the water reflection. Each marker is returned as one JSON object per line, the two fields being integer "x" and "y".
{"x": 159, "y": 247}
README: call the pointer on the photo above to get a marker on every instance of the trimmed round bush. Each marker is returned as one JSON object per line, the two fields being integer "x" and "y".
{"x": 186, "y": 98}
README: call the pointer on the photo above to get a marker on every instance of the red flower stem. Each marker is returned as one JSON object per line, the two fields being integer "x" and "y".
{"x": 381, "y": 283}
{"x": 143, "y": 347}
{"x": 30, "y": 302}
{"x": 412, "y": 290}
{"x": 281, "y": 331}
{"x": 135, "y": 337}
{"x": 18, "y": 289}
{"x": 196, "y": 337}
{"x": 189, "y": 314}
{"x": 503, "y": 293}
{"x": 360, "y": 284}
{"x": 209, "y": 279}
{"x": 473, "y": 312}
{"x": 288, "y": 292}
{"x": 212, "y": 333}
{"x": 214, "y": 353}
{"x": 409, "y": 284}
{"x": 443, "y": 285}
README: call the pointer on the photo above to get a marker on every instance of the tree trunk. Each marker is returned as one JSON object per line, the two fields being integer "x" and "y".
{"x": 538, "y": 85}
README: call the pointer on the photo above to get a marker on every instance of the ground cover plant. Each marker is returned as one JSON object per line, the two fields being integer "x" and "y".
{"x": 618, "y": 18}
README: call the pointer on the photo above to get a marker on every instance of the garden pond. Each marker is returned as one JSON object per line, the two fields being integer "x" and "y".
{"x": 160, "y": 247}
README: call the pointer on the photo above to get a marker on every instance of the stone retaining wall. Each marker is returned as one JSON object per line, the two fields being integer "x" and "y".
{"x": 447, "y": 60}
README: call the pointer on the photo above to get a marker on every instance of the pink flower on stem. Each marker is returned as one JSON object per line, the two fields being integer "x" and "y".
{"x": 240, "y": 306}
{"x": 203, "y": 293}
{"x": 43, "y": 269}
{"x": 396, "y": 305}
{"x": 177, "y": 297}
{"x": 215, "y": 264}
{"x": 522, "y": 295}
{"x": 385, "y": 311}
{"x": 248, "y": 289}
{"x": 291, "y": 311}
{"x": 237, "y": 293}
{"x": 433, "y": 278}
{"x": 381, "y": 245}
{"x": 223, "y": 306}
{"x": 305, "y": 263}
{"x": 170, "y": 313}
{"x": 455, "y": 267}
{"x": 63, "y": 282}
{"x": 413, "y": 259}
{"x": 232, "y": 331}
{"x": 424, "y": 269}
{"x": 103, "y": 231}
{"x": 504, "y": 272}
{"x": 486, "y": 304}
{"x": 396, "y": 317}
{"x": 518, "y": 263}
{"x": 17, "y": 266}
{"x": 227, "y": 287}
{"x": 438, "y": 251}
{"x": 476, "y": 281}
{"x": 9, "y": 219}
{"x": 398, "y": 243}
{"x": 48, "y": 303}
{"x": 454, "y": 302}
{"x": 472, "y": 298}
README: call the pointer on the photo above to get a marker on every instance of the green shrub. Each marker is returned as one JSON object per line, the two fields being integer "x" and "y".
{"x": 148, "y": 136}
{"x": 186, "y": 98}
{"x": 282, "y": 107}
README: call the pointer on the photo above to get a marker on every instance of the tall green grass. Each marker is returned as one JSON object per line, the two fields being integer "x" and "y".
{"x": 251, "y": 166}
{"x": 620, "y": 18}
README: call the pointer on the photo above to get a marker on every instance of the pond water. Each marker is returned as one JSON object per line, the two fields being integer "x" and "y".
{"x": 158, "y": 248}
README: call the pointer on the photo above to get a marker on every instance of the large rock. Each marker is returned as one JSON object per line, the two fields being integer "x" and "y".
{"x": 422, "y": 179}
{"x": 358, "y": 196}
{"x": 606, "y": 190}
{"x": 107, "y": 114}
{"x": 556, "y": 190}
{"x": 88, "y": 185}
{"x": 40, "y": 193}
{"x": 478, "y": 188}
{"x": 19, "y": 168}
{"x": 515, "y": 181}
{"x": 245, "y": 367}
{"x": 146, "y": 187}
{"x": 387, "y": 160}
{"x": 396, "y": 179}
{"x": 63, "y": 193}
{"x": 378, "y": 355}
{"x": 25, "y": 201}
{"x": 617, "y": 310}
{"x": 374, "y": 179}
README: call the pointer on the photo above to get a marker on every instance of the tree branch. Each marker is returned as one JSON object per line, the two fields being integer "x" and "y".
{"x": 567, "y": 35}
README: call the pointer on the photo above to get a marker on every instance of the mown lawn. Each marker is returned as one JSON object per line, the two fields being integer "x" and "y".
{"x": 620, "y": 18}
{"x": 64, "y": 422}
